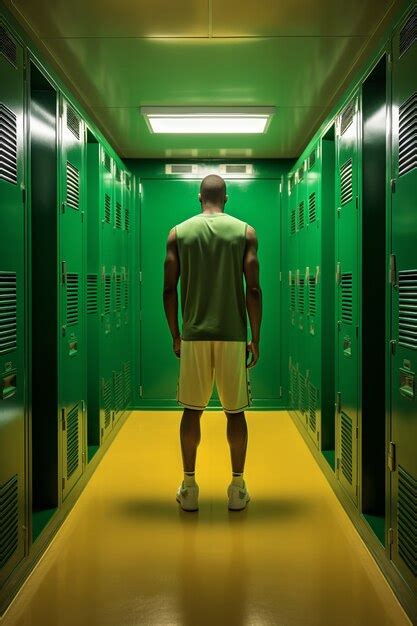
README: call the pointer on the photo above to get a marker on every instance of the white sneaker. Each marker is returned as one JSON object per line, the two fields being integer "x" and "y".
{"x": 238, "y": 497}
{"x": 187, "y": 497}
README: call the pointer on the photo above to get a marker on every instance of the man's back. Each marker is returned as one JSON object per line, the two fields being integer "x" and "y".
{"x": 211, "y": 250}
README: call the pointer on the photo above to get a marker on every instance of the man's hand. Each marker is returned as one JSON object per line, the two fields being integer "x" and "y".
{"x": 177, "y": 346}
{"x": 253, "y": 349}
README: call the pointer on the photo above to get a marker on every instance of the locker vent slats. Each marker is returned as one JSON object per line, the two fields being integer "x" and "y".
{"x": 127, "y": 219}
{"x": 8, "y": 47}
{"x": 301, "y": 295}
{"x": 407, "y": 308}
{"x": 8, "y": 145}
{"x": 346, "y": 447}
{"x": 107, "y": 208}
{"x": 107, "y": 162}
{"x": 118, "y": 215}
{"x": 73, "y": 186}
{"x": 347, "y": 295}
{"x": 8, "y": 312}
{"x": 293, "y": 227}
{"x": 408, "y": 34}
{"x": 72, "y": 423}
{"x": 118, "y": 295}
{"x": 9, "y": 519}
{"x": 118, "y": 391}
{"x": 127, "y": 386}
{"x": 347, "y": 116}
{"x": 73, "y": 121}
{"x": 312, "y": 407}
{"x": 126, "y": 292}
{"x": 407, "y": 136}
{"x": 311, "y": 159}
{"x": 312, "y": 296}
{"x": 346, "y": 191}
{"x": 92, "y": 299}
{"x": 72, "y": 299}
{"x": 293, "y": 386}
{"x": 407, "y": 518}
{"x": 292, "y": 294}
{"x": 107, "y": 294}
{"x": 302, "y": 393}
{"x": 301, "y": 218}
{"x": 107, "y": 402}
{"x": 312, "y": 208}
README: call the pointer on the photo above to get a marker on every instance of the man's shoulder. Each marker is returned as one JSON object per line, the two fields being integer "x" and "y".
{"x": 187, "y": 222}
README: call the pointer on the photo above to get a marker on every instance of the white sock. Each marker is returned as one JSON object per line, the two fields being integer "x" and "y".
{"x": 237, "y": 479}
{"x": 189, "y": 479}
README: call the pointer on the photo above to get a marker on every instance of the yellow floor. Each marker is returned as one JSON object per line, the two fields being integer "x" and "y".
{"x": 128, "y": 556}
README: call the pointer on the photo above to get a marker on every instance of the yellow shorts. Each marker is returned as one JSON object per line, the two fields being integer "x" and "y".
{"x": 202, "y": 363}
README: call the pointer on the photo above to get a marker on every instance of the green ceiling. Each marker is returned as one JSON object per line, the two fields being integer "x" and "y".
{"x": 294, "y": 54}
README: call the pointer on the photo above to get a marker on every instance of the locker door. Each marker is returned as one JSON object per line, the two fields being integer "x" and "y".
{"x": 347, "y": 296}
{"x": 404, "y": 300}
{"x": 126, "y": 291}
{"x": 72, "y": 296}
{"x": 12, "y": 306}
{"x": 301, "y": 279}
{"x": 313, "y": 312}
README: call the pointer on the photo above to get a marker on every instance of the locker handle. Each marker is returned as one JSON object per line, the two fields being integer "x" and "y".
{"x": 8, "y": 387}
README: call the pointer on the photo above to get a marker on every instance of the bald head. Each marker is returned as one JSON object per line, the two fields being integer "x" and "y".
{"x": 213, "y": 191}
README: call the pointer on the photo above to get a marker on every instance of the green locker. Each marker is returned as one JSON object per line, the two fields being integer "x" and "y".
{"x": 347, "y": 303}
{"x": 117, "y": 279}
{"x": 126, "y": 290}
{"x": 12, "y": 306}
{"x": 403, "y": 457}
{"x": 313, "y": 293}
{"x": 72, "y": 238}
{"x": 292, "y": 262}
{"x": 166, "y": 202}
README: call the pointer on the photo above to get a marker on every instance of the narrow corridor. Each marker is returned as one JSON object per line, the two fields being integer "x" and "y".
{"x": 127, "y": 555}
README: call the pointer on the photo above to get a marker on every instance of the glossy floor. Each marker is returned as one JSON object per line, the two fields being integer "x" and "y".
{"x": 127, "y": 555}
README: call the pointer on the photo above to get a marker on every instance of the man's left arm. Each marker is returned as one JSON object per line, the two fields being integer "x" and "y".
{"x": 170, "y": 296}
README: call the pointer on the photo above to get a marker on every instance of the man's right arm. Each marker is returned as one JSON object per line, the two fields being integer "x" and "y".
{"x": 253, "y": 292}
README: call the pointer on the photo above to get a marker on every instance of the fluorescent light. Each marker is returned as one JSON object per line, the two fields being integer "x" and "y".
{"x": 208, "y": 120}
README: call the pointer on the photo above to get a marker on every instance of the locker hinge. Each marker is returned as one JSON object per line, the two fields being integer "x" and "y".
{"x": 140, "y": 391}
{"x": 82, "y": 406}
{"x": 63, "y": 483}
{"x": 83, "y": 457}
{"x": 23, "y": 195}
{"x": 338, "y": 274}
{"x": 317, "y": 274}
{"x": 338, "y": 402}
{"x": 357, "y": 202}
{"x": 140, "y": 277}
{"x": 338, "y": 211}
{"x": 140, "y": 189}
{"x": 318, "y": 436}
{"x": 82, "y": 216}
{"x": 393, "y": 184}
{"x": 280, "y": 391}
{"x": 393, "y": 270}
{"x": 389, "y": 59}
{"x": 103, "y": 273}
{"x": 390, "y": 536}
{"x": 357, "y": 432}
{"x": 280, "y": 277}
{"x": 61, "y": 107}
{"x": 64, "y": 330}
{"x": 391, "y": 457}
{"x": 339, "y": 325}
{"x": 102, "y": 433}
{"x": 393, "y": 345}
{"x": 289, "y": 277}
{"x": 64, "y": 272}
{"x": 63, "y": 421}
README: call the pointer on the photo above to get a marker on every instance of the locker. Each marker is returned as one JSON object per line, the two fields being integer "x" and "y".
{"x": 72, "y": 311}
{"x": 404, "y": 301}
{"x": 347, "y": 278}
{"x": 12, "y": 306}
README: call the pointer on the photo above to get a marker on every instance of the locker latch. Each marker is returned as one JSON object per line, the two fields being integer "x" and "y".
{"x": 392, "y": 270}
{"x": 338, "y": 402}
{"x": 338, "y": 274}
{"x": 391, "y": 457}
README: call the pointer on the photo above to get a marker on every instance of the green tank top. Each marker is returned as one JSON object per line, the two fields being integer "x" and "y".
{"x": 211, "y": 250}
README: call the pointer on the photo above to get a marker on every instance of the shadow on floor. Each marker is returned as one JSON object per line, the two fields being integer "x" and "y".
{"x": 212, "y": 511}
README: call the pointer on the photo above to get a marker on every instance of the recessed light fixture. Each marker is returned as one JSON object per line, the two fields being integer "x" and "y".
{"x": 208, "y": 120}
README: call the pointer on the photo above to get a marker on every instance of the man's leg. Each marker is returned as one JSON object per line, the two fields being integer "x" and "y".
{"x": 190, "y": 435}
{"x": 237, "y": 436}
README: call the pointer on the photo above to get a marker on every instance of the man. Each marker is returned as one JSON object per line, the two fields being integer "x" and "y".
{"x": 212, "y": 251}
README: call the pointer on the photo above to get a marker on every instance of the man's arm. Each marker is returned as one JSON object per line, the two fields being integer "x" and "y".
{"x": 170, "y": 295}
{"x": 253, "y": 292}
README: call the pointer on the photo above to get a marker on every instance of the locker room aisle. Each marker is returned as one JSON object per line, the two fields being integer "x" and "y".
{"x": 128, "y": 556}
